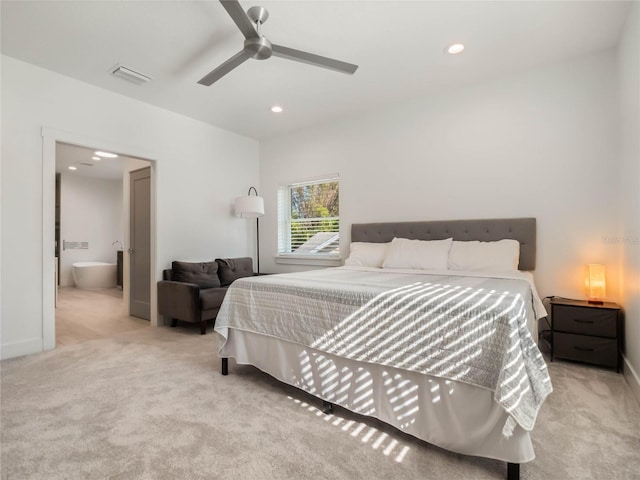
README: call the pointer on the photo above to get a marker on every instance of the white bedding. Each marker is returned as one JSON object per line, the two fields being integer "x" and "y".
{"x": 471, "y": 327}
{"x": 537, "y": 305}
{"x": 453, "y": 415}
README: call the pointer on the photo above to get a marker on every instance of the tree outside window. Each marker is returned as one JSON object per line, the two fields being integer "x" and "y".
{"x": 312, "y": 222}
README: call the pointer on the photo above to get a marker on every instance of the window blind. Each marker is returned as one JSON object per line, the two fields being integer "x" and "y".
{"x": 308, "y": 218}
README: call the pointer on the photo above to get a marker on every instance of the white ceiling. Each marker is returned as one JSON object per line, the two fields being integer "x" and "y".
{"x": 81, "y": 158}
{"x": 399, "y": 46}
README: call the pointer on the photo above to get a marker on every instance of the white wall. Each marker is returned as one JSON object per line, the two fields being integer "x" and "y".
{"x": 91, "y": 211}
{"x": 199, "y": 170}
{"x": 629, "y": 240}
{"x": 540, "y": 144}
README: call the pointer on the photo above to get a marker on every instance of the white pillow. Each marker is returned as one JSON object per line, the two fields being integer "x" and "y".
{"x": 364, "y": 254}
{"x": 500, "y": 256}
{"x": 418, "y": 254}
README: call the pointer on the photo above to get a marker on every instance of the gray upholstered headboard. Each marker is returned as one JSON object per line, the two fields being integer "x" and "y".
{"x": 521, "y": 229}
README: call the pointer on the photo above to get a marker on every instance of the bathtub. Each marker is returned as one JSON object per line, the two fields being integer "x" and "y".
{"x": 94, "y": 275}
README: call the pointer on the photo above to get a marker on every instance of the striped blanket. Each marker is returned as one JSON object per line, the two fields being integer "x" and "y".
{"x": 467, "y": 328}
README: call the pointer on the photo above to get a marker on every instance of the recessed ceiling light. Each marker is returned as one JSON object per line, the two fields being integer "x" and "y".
{"x": 455, "y": 48}
{"x": 276, "y": 109}
{"x": 71, "y": 167}
{"x": 106, "y": 154}
{"x": 97, "y": 159}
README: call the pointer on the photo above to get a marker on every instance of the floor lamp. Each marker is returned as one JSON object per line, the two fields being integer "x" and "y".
{"x": 252, "y": 206}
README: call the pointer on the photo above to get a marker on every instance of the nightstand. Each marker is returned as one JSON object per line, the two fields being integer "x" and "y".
{"x": 586, "y": 332}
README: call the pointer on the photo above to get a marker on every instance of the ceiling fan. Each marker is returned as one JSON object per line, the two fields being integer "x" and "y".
{"x": 258, "y": 47}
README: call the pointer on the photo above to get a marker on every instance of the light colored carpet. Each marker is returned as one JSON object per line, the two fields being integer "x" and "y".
{"x": 83, "y": 315}
{"x": 151, "y": 404}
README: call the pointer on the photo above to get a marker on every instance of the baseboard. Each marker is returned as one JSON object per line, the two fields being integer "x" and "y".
{"x": 632, "y": 378}
{"x": 26, "y": 347}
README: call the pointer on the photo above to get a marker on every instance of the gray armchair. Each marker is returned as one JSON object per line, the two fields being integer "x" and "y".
{"x": 193, "y": 292}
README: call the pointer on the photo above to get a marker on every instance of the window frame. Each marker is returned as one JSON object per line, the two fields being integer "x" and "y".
{"x": 284, "y": 222}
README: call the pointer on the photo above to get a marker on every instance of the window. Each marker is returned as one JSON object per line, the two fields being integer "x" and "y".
{"x": 309, "y": 221}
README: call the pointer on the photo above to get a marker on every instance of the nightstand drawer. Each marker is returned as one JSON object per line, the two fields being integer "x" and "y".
{"x": 600, "y": 351}
{"x": 585, "y": 321}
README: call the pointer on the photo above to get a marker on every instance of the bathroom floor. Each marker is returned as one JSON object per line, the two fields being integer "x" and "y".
{"x": 87, "y": 314}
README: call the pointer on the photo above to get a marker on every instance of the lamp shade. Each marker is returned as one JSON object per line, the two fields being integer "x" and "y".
{"x": 249, "y": 206}
{"x": 595, "y": 283}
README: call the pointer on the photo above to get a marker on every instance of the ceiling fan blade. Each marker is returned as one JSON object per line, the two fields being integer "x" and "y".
{"x": 312, "y": 59}
{"x": 238, "y": 15}
{"x": 219, "y": 72}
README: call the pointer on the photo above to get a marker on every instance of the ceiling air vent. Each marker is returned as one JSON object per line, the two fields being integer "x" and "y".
{"x": 86, "y": 164}
{"x": 130, "y": 75}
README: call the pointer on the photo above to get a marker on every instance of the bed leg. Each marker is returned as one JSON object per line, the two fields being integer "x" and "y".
{"x": 327, "y": 407}
{"x": 513, "y": 471}
{"x": 225, "y": 366}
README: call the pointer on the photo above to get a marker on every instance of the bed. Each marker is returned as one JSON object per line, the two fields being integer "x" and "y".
{"x": 446, "y": 356}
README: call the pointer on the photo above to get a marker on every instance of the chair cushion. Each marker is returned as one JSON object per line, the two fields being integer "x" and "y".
{"x": 204, "y": 274}
{"x": 212, "y": 297}
{"x": 229, "y": 269}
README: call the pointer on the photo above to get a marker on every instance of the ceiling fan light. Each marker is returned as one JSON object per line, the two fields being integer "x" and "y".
{"x": 455, "y": 49}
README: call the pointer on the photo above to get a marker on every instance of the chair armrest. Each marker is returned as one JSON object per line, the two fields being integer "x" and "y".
{"x": 179, "y": 300}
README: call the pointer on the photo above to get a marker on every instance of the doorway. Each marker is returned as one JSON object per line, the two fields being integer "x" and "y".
{"x": 50, "y": 271}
